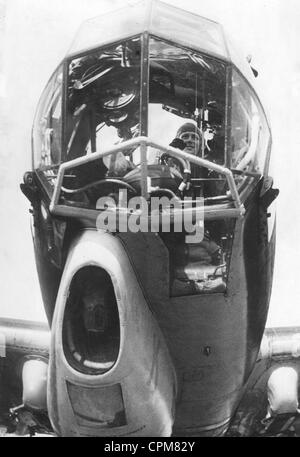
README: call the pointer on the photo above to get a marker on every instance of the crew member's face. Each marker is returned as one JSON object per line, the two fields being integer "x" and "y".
{"x": 192, "y": 142}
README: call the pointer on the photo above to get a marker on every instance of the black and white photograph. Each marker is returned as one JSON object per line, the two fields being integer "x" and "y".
{"x": 150, "y": 220}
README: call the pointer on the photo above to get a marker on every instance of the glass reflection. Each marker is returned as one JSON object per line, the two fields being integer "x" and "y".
{"x": 46, "y": 132}
{"x": 250, "y": 131}
{"x": 104, "y": 103}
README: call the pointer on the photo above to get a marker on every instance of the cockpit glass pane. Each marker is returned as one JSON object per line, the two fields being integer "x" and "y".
{"x": 110, "y": 27}
{"x": 104, "y": 101}
{"x": 188, "y": 29}
{"x": 250, "y": 132}
{"x": 187, "y": 106}
{"x": 46, "y": 132}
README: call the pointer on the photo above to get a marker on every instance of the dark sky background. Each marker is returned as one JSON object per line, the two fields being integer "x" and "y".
{"x": 34, "y": 37}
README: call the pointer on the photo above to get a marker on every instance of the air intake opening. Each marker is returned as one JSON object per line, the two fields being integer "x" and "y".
{"x": 91, "y": 328}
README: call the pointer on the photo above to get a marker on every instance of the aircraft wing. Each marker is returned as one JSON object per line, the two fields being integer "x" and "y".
{"x": 23, "y": 337}
{"x": 269, "y": 406}
{"x": 20, "y": 341}
{"x": 272, "y": 384}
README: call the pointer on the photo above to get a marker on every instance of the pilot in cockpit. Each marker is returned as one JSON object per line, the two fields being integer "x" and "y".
{"x": 190, "y": 134}
{"x": 213, "y": 142}
{"x": 188, "y": 139}
{"x": 207, "y": 144}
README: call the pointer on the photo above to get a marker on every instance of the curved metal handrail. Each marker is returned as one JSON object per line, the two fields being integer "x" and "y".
{"x": 143, "y": 143}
